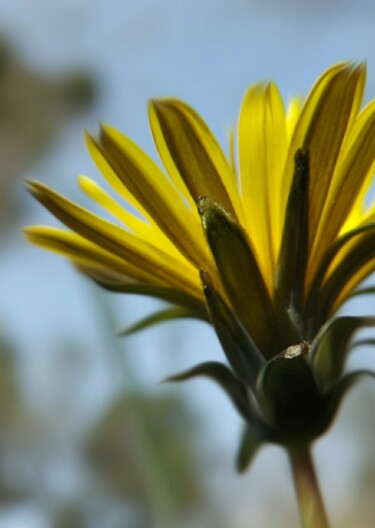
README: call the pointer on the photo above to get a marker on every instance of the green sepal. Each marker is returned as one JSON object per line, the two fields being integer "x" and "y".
{"x": 331, "y": 347}
{"x": 362, "y": 291}
{"x": 162, "y": 316}
{"x": 291, "y": 268}
{"x": 224, "y": 377}
{"x": 240, "y": 275}
{"x": 288, "y": 394}
{"x": 363, "y": 342}
{"x": 335, "y": 396}
{"x": 239, "y": 348}
{"x": 252, "y": 438}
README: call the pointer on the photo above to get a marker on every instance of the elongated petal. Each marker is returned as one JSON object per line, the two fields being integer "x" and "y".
{"x": 292, "y": 116}
{"x": 113, "y": 239}
{"x": 111, "y": 272}
{"x": 224, "y": 377}
{"x": 97, "y": 194}
{"x": 362, "y": 273}
{"x": 262, "y": 152}
{"x": 350, "y": 180}
{"x": 144, "y": 231}
{"x": 338, "y": 106}
{"x": 354, "y": 172}
{"x": 103, "y": 277}
{"x": 330, "y": 349}
{"x": 232, "y": 153}
{"x": 79, "y": 249}
{"x": 344, "y": 246}
{"x": 186, "y": 145}
{"x": 112, "y": 178}
{"x": 157, "y": 195}
{"x": 356, "y": 260}
{"x": 240, "y": 274}
{"x": 334, "y": 100}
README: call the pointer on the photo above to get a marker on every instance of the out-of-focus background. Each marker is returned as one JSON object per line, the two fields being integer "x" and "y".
{"x": 88, "y": 436}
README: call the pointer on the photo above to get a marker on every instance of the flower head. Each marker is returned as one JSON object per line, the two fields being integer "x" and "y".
{"x": 267, "y": 253}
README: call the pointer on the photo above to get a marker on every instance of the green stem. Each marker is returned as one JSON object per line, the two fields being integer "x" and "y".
{"x": 310, "y": 501}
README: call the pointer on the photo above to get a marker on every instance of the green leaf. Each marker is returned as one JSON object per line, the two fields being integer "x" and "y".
{"x": 330, "y": 349}
{"x": 240, "y": 275}
{"x": 224, "y": 377}
{"x": 288, "y": 393}
{"x": 242, "y": 353}
{"x": 161, "y": 316}
{"x": 291, "y": 267}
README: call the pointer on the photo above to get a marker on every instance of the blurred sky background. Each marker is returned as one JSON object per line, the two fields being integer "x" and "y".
{"x": 206, "y": 52}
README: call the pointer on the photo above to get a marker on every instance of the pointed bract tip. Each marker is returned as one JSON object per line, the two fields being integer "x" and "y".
{"x": 158, "y": 104}
{"x": 32, "y": 186}
{"x": 204, "y": 276}
{"x": 203, "y": 204}
{"x": 211, "y": 212}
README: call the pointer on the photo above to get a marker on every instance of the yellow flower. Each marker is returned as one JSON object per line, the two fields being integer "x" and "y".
{"x": 267, "y": 252}
{"x": 306, "y": 259}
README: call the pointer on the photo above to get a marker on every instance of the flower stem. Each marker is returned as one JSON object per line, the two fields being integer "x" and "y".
{"x": 310, "y": 501}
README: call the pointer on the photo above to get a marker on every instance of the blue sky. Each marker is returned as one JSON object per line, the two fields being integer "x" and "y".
{"x": 206, "y": 52}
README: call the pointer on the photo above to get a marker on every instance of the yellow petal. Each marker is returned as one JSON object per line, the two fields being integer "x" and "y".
{"x": 97, "y": 193}
{"x": 81, "y": 250}
{"x": 262, "y": 151}
{"x": 363, "y": 218}
{"x": 191, "y": 154}
{"x": 108, "y": 269}
{"x": 123, "y": 284}
{"x": 351, "y": 261}
{"x": 156, "y": 193}
{"x": 350, "y": 181}
{"x": 359, "y": 276}
{"x": 324, "y": 121}
{"x": 116, "y": 240}
{"x": 149, "y": 233}
{"x": 293, "y": 113}
{"x": 232, "y": 152}
{"x": 111, "y": 177}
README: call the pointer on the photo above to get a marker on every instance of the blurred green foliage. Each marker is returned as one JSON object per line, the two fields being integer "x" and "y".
{"x": 143, "y": 448}
{"x": 34, "y": 107}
